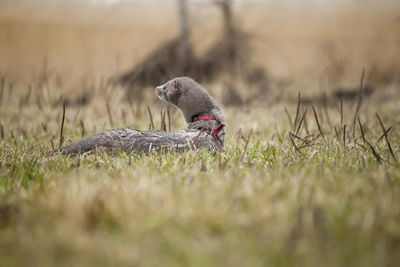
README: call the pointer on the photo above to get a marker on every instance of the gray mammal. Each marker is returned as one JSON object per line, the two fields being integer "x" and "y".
{"x": 204, "y": 117}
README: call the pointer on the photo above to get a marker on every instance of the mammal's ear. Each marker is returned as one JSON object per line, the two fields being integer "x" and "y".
{"x": 177, "y": 86}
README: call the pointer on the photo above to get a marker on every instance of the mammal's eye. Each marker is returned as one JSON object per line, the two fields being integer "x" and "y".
{"x": 164, "y": 87}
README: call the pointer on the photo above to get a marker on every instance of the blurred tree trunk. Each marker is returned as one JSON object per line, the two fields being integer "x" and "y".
{"x": 185, "y": 31}
{"x": 231, "y": 43}
{"x": 227, "y": 15}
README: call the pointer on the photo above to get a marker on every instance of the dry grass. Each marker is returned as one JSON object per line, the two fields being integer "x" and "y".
{"x": 295, "y": 188}
{"x": 272, "y": 197}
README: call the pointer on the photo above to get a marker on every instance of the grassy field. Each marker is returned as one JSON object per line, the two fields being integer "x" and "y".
{"x": 296, "y": 185}
{"x": 329, "y": 200}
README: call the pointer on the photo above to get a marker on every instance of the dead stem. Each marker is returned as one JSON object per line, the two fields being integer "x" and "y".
{"x": 359, "y": 101}
{"x": 109, "y": 114}
{"x": 289, "y": 118}
{"x": 383, "y": 135}
{"x": 62, "y": 127}
{"x": 361, "y": 129}
{"x": 387, "y": 139}
{"x": 319, "y": 126}
{"x": 163, "y": 126}
{"x": 301, "y": 121}
{"x": 294, "y": 144}
{"x": 297, "y": 113}
{"x": 169, "y": 120}
{"x": 151, "y": 118}
{"x": 2, "y": 131}
{"x": 376, "y": 155}
{"x": 82, "y": 128}
{"x": 344, "y": 136}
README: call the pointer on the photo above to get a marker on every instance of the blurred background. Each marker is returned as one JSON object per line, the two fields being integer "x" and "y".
{"x": 252, "y": 48}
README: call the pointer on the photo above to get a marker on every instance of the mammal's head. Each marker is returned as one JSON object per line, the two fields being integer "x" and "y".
{"x": 189, "y": 96}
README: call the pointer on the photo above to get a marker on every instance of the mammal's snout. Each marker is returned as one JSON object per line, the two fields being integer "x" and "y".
{"x": 160, "y": 91}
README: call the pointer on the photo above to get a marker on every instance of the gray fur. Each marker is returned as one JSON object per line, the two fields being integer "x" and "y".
{"x": 183, "y": 92}
{"x": 190, "y": 97}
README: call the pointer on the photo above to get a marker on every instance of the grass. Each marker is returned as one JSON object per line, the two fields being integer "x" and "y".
{"x": 286, "y": 191}
{"x": 275, "y": 196}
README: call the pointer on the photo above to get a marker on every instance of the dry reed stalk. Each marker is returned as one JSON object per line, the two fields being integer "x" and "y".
{"x": 359, "y": 102}
{"x": 376, "y": 155}
{"x": 62, "y": 127}
{"x": 289, "y": 118}
{"x": 151, "y": 118}
{"x": 361, "y": 129}
{"x": 307, "y": 142}
{"x": 383, "y": 135}
{"x": 52, "y": 144}
{"x": 297, "y": 137}
{"x": 319, "y": 126}
{"x": 163, "y": 124}
{"x": 315, "y": 138}
{"x": 297, "y": 113}
{"x": 294, "y": 144}
{"x": 2, "y": 131}
{"x": 82, "y": 128}
{"x": 304, "y": 141}
{"x": 387, "y": 139}
{"x": 169, "y": 120}
{"x": 109, "y": 113}
{"x": 306, "y": 126}
{"x": 344, "y": 136}
{"x": 195, "y": 140}
{"x": 301, "y": 121}
{"x": 362, "y": 146}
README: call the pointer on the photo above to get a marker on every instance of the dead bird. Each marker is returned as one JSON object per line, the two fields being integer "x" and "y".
{"x": 204, "y": 117}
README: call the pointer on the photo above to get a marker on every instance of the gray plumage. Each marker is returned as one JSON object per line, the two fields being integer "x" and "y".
{"x": 192, "y": 99}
